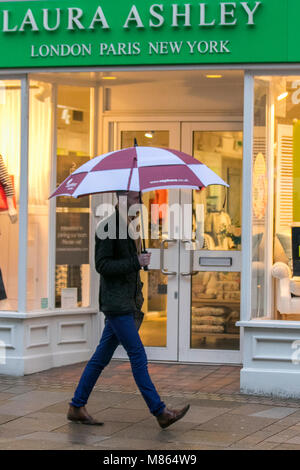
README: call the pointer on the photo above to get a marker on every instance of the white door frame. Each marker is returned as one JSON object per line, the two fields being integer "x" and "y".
{"x": 178, "y": 325}
{"x": 171, "y": 255}
{"x": 185, "y": 352}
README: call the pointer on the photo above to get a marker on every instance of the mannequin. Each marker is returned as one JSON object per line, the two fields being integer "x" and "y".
{"x": 9, "y": 191}
{"x": 13, "y": 216}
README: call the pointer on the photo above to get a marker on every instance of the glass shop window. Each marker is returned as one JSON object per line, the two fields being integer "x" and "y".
{"x": 74, "y": 147}
{"x": 58, "y": 258}
{"x": 10, "y": 133}
{"x": 276, "y": 199}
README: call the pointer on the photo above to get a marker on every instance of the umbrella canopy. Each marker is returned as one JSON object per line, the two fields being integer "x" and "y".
{"x": 138, "y": 169}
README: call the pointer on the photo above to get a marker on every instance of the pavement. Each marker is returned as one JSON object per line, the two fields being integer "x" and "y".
{"x": 33, "y": 411}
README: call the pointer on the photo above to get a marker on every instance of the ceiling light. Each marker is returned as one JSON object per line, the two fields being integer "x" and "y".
{"x": 214, "y": 76}
{"x": 108, "y": 77}
{"x": 282, "y": 96}
{"x": 149, "y": 135}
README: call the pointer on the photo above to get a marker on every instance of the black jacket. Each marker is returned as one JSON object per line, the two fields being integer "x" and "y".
{"x": 117, "y": 263}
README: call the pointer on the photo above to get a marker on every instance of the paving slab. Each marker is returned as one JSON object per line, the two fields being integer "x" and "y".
{"x": 244, "y": 425}
{"x": 5, "y": 396}
{"x": 265, "y": 446}
{"x": 200, "y": 414}
{"x": 133, "y": 444}
{"x": 61, "y": 408}
{"x": 62, "y": 438}
{"x": 214, "y": 403}
{"x": 257, "y": 438}
{"x": 287, "y": 447}
{"x": 209, "y": 438}
{"x": 48, "y": 421}
{"x": 293, "y": 440}
{"x": 289, "y": 421}
{"x": 20, "y": 389}
{"x": 137, "y": 403}
{"x": 149, "y": 429}
{"x": 23, "y": 425}
{"x": 120, "y": 414}
{"x": 30, "y": 445}
{"x": 31, "y": 401}
{"x": 102, "y": 398}
{"x": 275, "y": 412}
{"x": 275, "y": 428}
{"x": 108, "y": 429}
{"x": 250, "y": 409}
{"x": 5, "y": 419}
{"x": 284, "y": 436}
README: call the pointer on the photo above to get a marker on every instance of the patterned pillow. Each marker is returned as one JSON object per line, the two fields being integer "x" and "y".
{"x": 286, "y": 243}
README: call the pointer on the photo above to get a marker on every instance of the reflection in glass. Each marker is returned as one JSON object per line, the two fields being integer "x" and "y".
{"x": 153, "y": 331}
{"x": 215, "y": 310}
{"x": 215, "y": 299}
{"x": 217, "y": 209}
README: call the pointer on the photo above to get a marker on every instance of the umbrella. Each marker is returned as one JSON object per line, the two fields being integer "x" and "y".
{"x": 138, "y": 169}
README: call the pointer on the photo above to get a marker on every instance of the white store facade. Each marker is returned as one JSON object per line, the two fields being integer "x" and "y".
{"x": 235, "y": 299}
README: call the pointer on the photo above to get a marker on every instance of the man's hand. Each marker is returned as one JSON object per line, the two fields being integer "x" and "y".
{"x": 144, "y": 259}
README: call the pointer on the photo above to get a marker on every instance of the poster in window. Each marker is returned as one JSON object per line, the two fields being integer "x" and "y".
{"x": 72, "y": 238}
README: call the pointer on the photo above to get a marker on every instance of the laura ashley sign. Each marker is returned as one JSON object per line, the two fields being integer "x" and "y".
{"x": 74, "y": 18}
{"x": 102, "y": 32}
{"x": 183, "y": 16}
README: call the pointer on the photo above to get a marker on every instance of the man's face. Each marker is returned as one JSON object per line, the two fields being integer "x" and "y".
{"x": 131, "y": 197}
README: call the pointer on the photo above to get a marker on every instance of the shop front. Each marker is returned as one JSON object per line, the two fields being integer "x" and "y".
{"x": 192, "y": 289}
{"x": 209, "y": 80}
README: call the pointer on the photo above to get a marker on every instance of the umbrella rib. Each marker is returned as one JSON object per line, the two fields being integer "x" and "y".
{"x": 131, "y": 171}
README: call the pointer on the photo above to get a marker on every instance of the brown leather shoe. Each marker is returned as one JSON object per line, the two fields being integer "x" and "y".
{"x": 80, "y": 415}
{"x": 168, "y": 416}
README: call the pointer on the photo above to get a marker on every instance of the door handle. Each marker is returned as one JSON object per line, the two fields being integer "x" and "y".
{"x": 162, "y": 258}
{"x": 191, "y": 272}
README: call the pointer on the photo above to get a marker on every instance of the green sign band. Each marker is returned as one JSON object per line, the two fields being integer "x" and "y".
{"x": 101, "y": 32}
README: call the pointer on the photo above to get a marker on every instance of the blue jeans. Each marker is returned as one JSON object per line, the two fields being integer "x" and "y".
{"x": 119, "y": 329}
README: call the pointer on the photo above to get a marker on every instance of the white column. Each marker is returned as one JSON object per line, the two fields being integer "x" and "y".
{"x": 52, "y": 203}
{"x": 247, "y": 198}
{"x": 23, "y": 216}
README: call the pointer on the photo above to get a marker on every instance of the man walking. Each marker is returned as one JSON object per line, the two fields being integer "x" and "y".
{"x": 118, "y": 261}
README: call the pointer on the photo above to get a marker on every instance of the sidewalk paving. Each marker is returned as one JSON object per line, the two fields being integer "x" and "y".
{"x": 33, "y": 411}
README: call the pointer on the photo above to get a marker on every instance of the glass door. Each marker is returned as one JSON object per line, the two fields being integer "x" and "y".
{"x": 160, "y": 326}
{"x": 210, "y": 250}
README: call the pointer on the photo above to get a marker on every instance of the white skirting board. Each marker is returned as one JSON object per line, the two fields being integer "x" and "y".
{"x": 43, "y": 341}
{"x": 280, "y": 383}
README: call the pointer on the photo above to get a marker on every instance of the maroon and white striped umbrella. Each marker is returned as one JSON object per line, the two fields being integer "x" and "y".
{"x": 138, "y": 169}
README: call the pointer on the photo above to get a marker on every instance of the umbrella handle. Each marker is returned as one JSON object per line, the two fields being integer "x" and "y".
{"x": 145, "y": 268}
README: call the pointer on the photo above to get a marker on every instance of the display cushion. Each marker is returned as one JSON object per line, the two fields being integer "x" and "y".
{"x": 286, "y": 243}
